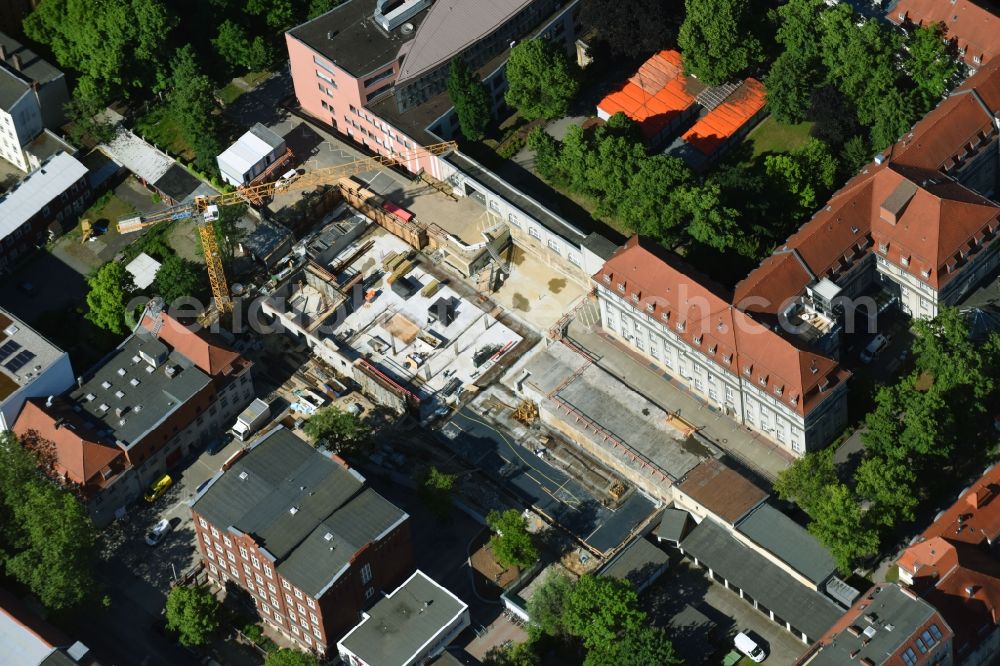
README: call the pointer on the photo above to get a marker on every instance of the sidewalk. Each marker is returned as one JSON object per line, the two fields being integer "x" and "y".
{"x": 760, "y": 457}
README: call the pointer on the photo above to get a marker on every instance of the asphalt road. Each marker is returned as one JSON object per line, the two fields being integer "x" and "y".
{"x": 541, "y": 485}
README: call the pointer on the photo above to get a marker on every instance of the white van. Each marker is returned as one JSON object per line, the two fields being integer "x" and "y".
{"x": 877, "y": 344}
{"x": 749, "y": 647}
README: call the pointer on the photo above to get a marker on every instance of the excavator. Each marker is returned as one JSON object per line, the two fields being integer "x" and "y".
{"x": 205, "y": 209}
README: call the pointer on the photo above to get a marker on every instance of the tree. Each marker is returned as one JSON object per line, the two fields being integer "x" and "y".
{"x": 541, "y": 79}
{"x": 517, "y": 654}
{"x": 638, "y": 646}
{"x": 942, "y": 348}
{"x": 929, "y": 64}
{"x": 717, "y": 39}
{"x": 547, "y": 606}
{"x": 193, "y": 613}
{"x": 599, "y": 610}
{"x": 648, "y": 207}
{"x": 612, "y": 168}
{"x": 179, "y": 278}
{"x": 116, "y": 47}
{"x": 511, "y": 542}
{"x": 228, "y": 232}
{"x": 279, "y": 15}
{"x": 191, "y": 102}
{"x": 343, "y": 432}
{"x": 806, "y": 481}
{"x": 839, "y": 524}
{"x": 435, "y": 489}
{"x": 289, "y": 657}
{"x": 855, "y": 154}
{"x": 803, "y": 177}
{"x": 471, "y": 100}
{"x": 790, "y": 85}
{"x": 709, "y": 221}
{"x": 320, "y": 7}
{"x": 547, "y": 155}
{"x": 797, "y": 30}
{"x": 891, "y": 487}
{"x": 48, "y": 543}
{"x": 109, "y": 286}
{"x": 235, "y": 47}
{"x": 618, "y": 27}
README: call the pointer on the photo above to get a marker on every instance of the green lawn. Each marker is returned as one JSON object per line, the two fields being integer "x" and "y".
{"x": 776, "y": 137}
{"x": 159, "y": 127}
{"x": 254, "y": 78}
{"x": 230, "y": 93}
{"x": 109, "y": 207}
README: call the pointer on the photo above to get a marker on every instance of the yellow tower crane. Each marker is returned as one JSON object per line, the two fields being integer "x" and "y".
{"x": 206, "y": 209}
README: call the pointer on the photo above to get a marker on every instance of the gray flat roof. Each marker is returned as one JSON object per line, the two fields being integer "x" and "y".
{"x": 17, "y": 337}
{"x": 32, "y": 66}
{"x": 359, "y": 45}
{"x": 888, "y": 604}
{"x": 403, "y": 623}
{"x": 56, "y": 175}
{"x": 807, "y": 610}
{"x": 318, "y": 560}
{"x": 450, "y": 27}
{"x": 278, "y": 474}
{"x": 789, "y": 542}
{"x": 672, "y": 525}
{"x": 145, "y": 394}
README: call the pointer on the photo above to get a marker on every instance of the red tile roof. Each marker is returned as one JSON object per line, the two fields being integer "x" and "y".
{"x": 724, "y": 121}
{"x": 655, "y": 95}
{"x": 80, "y": 452}
{"x": 701, "y": 314}
{"x": 975, "y": 28}
{"x": 210, "y": 356}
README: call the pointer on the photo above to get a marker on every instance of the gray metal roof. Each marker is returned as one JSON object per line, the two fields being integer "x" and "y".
{"x": 129, "y": 396}
{"x": 789, "y": 542}
{"x": 32, "y": 66}
{"x": 806, "y": 609}
{"x": 403, "y": 623}
{"x": 280, "y": 473}
{"x": 43, "y": 185}
{"x": 318, "y": 560}
{"x": 640, "y": 563}
{"x": 450, "y": 27}
{"x": 887, "y": 604}
{"x": 12, "y": 88}
{"x": 349, "y": 37}
{"x": 672, "y": 525}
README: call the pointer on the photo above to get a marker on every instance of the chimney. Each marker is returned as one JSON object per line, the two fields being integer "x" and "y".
{"x": 970, "y": 590}
{"x": 16, "y": 61}
{"x": 980, "y": 497}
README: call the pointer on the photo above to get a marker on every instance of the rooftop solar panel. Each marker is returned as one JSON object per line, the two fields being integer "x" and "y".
{"x": 7, "y": 349}
{"x": 19, "y": 361}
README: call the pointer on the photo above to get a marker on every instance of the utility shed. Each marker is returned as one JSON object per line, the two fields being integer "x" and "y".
{"x": 250, "y": 155}
{"x": 640, "y": 563}
{"x": 789, "y": 542}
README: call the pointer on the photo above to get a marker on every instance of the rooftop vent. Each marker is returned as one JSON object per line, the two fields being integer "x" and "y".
{"x": 119, "y": 394}
{"x": 243, "y": 476}
{"x": 134, "y": 381}
{"x": 294, "y": 510}
{"x": 328, "y": 537}
{"x": 136, "y": 359}
{"x": 149, "y": 369}
{"x": 105, "y": 385}
{"x": 406, "y": 28}
{"x": 102, "y": 407}
{"x": 121, "y": 372}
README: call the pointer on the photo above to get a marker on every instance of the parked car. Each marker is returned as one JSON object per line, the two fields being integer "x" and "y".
{"x": 219, "y": 443}
{"x": 156, "y": 490}
{"x": 871, "y": 352}
{"x": 749, "y": 647}
{"x": 159, "y": 531}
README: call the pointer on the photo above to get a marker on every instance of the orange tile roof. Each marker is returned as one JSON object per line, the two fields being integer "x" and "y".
{"x": 80, "y": 452}
{"x": 655, "y": 95}
{"x": 700, "y": 313}
{"x": 975, "y": 28}
{"x": 210, "y": 356}
{"x": 725, "y": 120}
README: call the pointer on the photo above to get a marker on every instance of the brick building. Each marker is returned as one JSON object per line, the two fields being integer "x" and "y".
{"x": 303, "y": 536}
{"x": 162, "y": 394}
{"x": 43, "y": 205}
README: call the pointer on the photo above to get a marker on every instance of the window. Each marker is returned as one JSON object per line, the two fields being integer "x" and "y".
{"x": 378, "y": 77}
{"x": 236, "y": 574}
{"x": 534, "y": 233}
{"x": 215, "y": 533}
{"x": 277, "y": 618}
{"x": 267, "y": 571}
{"x": 307, "y": 640}
{"x": 366, "y": 574}
{"x": 928, "y": 639}
{"x": 267, "y": 611}
{"x": 324, "y": 65}
{"x": 302, "y": 610}
{"x": 227, "y": 541}
{"x": 369, "y": 593}
{"x": 326, "y": 77}
{"x": 255, "y": 561}
{"x": 210, "y": 554}
{"x": 201, "y": 521}
{"x": 318, "y": 635}
{"x": 312, "y": 616}
{"x": 935, "y": 632}
{"x": 513, "y": 219}
{"x": 285, "y": 585}
{"x": 288, "y": 600}
{"x": 246, "y": 570}
{"x": 243, "y": 553}
{"x": 298, "y": 594}
{"x": 272, "y": 588}
{"x": 295, "y": 630}
{"x": 250, "y": 587}
{"x": 260, "y": 581}
{"x": 920, "y": 646}
{"x": 232, "y": 558}
{"x": 312, "y": 604}
{"x": 909, "y": 657}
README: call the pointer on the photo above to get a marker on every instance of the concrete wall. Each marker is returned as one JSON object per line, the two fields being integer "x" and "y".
{"x": 21, "y": 123}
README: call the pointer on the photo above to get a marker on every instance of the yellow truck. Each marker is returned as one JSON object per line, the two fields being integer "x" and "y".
{"x": 157, "y": 489}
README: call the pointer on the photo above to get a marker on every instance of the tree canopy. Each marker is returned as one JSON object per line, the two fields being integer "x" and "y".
{"x": 435, "y": 489}
{"x": 541, "y": 80}
{"x": 930, "y": 64}
{"x": 343, "y": 432}
{"x": 191, "y": 97}
{"x": 193, "y": 613}
{"x": 637, "y": 646}
{"x": 48, "y": 543}
{"x": 630, "y": 27}
{"x": 512, "y": 544}
{"x": 110, "y": 286}
{"x": 600, "y": 609}
{"x": 179, "y": 278}
{"x": 471, "y": 100}
{"x": 717, "y": 39}
{"x": 238, "y": 49}
{"x": 290, "y": 657}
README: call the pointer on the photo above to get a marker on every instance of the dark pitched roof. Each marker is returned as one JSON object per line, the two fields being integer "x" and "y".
{"x": 789, "y": 542}
{"x": 278, "y": 474}
{"x": 673, "y": 525}
{"x": 320, "y": 558}
{"x": 806, "y": 609}
{"x": 404, "y": 622}
{"x": 721, "y": 490}
{"x": 640, "y": 563}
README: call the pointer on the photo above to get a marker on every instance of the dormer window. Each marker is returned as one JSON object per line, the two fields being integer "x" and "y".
{"x": 720, "y": 327}
{"x": 824, "y": 385}
{"x": 763, "y": 380}
{"x": 621, "y": 287}
{"x": 905, "y": 261}
{"x": 697, "y": 340}
{"x": 748, "y": 370}
{"x": 635, "y": 296}
{"x": 951, "y": 265}
{"x": 926, "y": 273}
{"x": 665, "y": 316}
{"x": 649, "y": 307}
{"x": 883, "y": 247}
{"x": 680, "y": 326}
{"x": 977, "y": 59}
{"x": 607, "y": 278}
{"x": 794, "y": 400}
{"x": 854, "y": 229}
{"x": 813, "y": 369}
{"x": 727, "y": 359}
{"x": 778, "y": 390}
{"x": 712, "y": 349}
